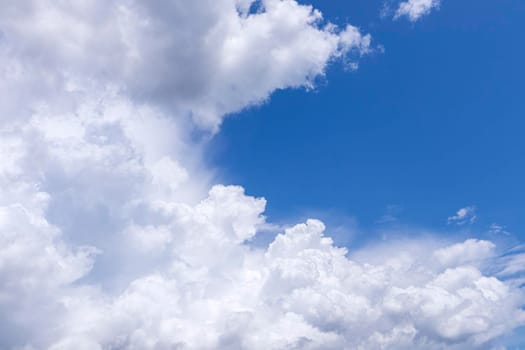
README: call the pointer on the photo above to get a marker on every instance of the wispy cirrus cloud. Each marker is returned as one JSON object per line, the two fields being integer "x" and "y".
{"x": 497, "y": 229}
{"x": 463, "y": 216}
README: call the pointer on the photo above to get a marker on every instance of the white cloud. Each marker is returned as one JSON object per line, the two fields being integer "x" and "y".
{"x": 202, "y": 58}
{"x": 513, "y": 264}
{"x": 496, "y": 229}
{"x": 415, "y": 9}
{"x": 471, "y": 250}
{"x": 112, "y": 235}
{"x": 463, "y": 216}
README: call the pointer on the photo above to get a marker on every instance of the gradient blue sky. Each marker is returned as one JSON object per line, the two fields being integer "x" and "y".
{"x": 433, "y": 124}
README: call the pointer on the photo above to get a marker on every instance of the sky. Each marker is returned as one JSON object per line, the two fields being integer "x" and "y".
{"x": 432, "y": 124}
{"x": 270, "y": 174}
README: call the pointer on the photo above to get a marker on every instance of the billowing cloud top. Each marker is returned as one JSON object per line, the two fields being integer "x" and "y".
{"x": 112, "y": 236}
{"x": 204, "y": 58}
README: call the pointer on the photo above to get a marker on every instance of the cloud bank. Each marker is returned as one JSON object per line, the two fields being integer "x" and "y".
{"x": 114, "y": 236}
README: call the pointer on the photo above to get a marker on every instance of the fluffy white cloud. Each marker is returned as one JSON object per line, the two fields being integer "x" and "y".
{"x": 471, "y": 250}
{"x": 112, "y": 235}
{"x": 205, "y": 58}
{"x": 415, "y": 9}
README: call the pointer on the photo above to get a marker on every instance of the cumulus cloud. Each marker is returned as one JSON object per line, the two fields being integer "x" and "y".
{"x": 463, "y": 216}
{"x": 113, "y": 234}
{"x": 206, "y": 59}
{"x": 415, "y": 9}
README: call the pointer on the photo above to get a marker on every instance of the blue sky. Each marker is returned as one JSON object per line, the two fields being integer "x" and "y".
{"x": 433, "y": 124}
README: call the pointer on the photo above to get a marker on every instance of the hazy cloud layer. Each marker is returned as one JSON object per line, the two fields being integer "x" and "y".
{"x": 113, "y": 236}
